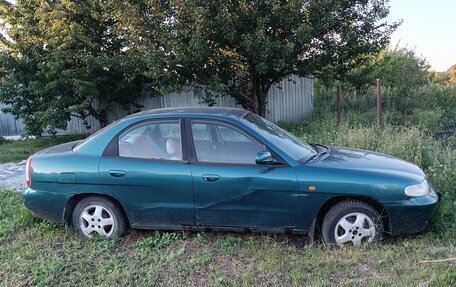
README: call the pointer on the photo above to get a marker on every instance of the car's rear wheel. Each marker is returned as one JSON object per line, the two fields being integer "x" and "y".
{"x": 352, "y": 222}
{"x": 98, "y": 216}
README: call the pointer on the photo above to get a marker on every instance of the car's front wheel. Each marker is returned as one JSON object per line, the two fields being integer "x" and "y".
{"x": 98, "y": 215}
{"x": 352, "y": 222}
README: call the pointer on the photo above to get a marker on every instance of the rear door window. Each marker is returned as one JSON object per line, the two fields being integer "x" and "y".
{"x": 152, "y": 140}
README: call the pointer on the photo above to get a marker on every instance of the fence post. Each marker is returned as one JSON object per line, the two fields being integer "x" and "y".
{"x": 338, "y": 95}
{"x": 379, "y": 104}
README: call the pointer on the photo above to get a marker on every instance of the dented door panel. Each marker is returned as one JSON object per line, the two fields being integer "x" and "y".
{"x": 246, "y": 196}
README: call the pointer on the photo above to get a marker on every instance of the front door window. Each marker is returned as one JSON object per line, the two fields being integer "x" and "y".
{"x": 220, "y": 143}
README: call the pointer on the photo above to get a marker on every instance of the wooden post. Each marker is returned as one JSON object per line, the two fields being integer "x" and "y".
{"x": 379, "y": 104}
{"x": 338, "y": 94}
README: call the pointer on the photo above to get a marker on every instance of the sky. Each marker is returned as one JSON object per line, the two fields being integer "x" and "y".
{"x": 429, "y": 28}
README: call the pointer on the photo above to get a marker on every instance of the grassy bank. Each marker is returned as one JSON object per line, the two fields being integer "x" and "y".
{"x": 34, "y": 251}
{"x": 15, "y": 151}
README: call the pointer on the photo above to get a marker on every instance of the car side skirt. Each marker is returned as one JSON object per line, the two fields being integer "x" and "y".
{"x": 237, "y": 229}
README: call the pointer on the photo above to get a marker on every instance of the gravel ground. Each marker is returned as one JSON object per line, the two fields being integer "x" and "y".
{"x": 12, "y": 176}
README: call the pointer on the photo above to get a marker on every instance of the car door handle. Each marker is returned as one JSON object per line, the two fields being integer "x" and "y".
{"x": 117, "y": 173}
{"x": 210, "y": 177}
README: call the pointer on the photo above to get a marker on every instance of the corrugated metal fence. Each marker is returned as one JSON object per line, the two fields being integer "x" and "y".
{"x": 9, "y": 126}
{"x": 290, "y": 100}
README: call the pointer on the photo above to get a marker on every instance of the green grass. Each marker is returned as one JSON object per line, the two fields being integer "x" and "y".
{"x": 34, "y": 251}
{"x": 15, "y": 151}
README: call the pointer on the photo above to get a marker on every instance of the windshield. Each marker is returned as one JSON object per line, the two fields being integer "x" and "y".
{"x": 298, "y": 150}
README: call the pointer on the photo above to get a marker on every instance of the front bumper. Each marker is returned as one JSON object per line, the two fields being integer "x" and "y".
{"x": 46, "y": 205}
{"x": 411, "y": 215}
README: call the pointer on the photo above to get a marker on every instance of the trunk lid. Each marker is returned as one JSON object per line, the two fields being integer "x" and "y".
{"x": 65, "y": 147}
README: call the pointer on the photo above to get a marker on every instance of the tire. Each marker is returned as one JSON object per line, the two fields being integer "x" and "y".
{"x": 98, "y": 216}
{"x": 352, "y": 222}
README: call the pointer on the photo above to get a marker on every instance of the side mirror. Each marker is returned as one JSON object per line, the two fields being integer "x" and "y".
{"x": 264, "y": 157}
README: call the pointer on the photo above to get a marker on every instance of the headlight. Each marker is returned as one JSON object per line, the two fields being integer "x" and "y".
{"x": 415, "y": 190}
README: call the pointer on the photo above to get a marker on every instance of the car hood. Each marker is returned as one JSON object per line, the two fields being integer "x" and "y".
{"x": 366, "y": 161}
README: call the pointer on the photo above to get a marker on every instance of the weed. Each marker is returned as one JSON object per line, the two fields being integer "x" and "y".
{"x": 158, "y": 240}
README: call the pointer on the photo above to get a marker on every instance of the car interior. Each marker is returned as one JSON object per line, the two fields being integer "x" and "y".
{"x": 220, "y": 143}
{"x": 152, "y": 141}
{"x": 213, "y": 142}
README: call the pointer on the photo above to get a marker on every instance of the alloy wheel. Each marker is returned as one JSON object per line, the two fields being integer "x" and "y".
{"x": 355, "y": 228}
{"x": 96, "y": 219}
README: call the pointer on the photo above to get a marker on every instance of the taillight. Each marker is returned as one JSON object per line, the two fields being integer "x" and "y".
{"x": 28, "y": 174}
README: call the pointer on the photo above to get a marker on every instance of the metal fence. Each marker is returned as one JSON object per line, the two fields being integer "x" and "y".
{"x": 290, "y": 100}
{"x": 9, "y": 126}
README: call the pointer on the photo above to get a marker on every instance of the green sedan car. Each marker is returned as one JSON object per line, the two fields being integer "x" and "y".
{"x": 225, "y": 169}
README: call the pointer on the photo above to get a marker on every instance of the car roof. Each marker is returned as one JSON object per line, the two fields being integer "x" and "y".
{"x": 226, "y": 112}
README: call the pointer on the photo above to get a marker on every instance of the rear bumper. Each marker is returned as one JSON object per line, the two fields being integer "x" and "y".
{"x": 46, "y": 205}
{"x": 412, "y": 215}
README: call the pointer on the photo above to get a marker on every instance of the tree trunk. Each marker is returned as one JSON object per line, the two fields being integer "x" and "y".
{"x": 261, "y": 104}
{"x": 255, "y": 104}
{"x": 246, "y": 103}
{"x": 255, "y": 99}
{"x": 245, "y": 100}
{"x": 103, "y": 119}
{"x": 260, "y": 91}
{"x": 100, "y": 115}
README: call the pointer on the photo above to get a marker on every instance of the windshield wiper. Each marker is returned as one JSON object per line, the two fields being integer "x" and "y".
{"x": 312, "y": 157}
{"x": 326, "y": 149}
{"x": 318, "y": 152}
{"x": 314, "y": 147}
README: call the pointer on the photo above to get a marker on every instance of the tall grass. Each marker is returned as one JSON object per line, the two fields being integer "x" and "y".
{"x": 431, "y": 108}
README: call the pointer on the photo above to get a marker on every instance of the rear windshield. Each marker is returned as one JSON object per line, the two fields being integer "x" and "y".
{"x": 94, "y": 134}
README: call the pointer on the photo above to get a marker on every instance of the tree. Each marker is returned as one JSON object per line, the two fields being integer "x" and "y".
{"x": 65, "y": 58}
{"x": 403, "y": 73}
{"x": 452, "y": 75}
{"x": 241, "y": 48}
{"x": 442, "y": 78}
{"x": 447, "y": 77}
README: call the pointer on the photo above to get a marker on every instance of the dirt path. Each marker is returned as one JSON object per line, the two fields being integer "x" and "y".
{"x": 12, "y": 176}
